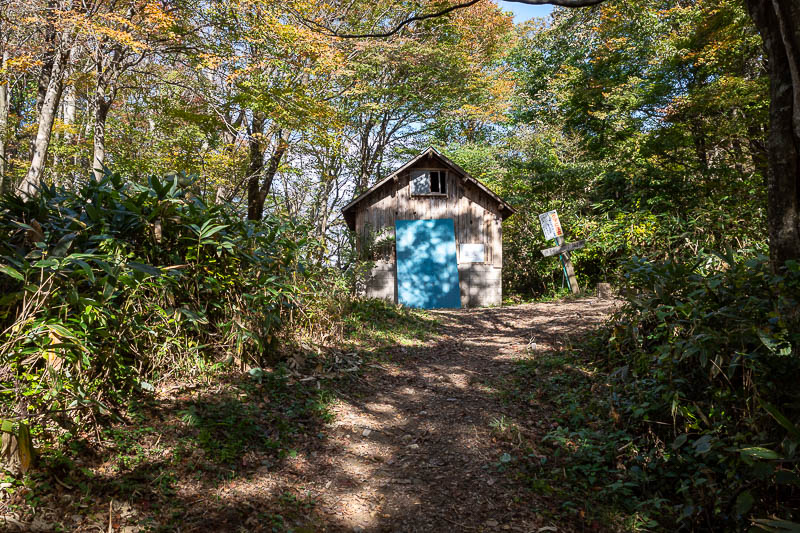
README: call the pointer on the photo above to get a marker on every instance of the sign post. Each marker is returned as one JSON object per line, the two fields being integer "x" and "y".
{"x": 551, "y": 227}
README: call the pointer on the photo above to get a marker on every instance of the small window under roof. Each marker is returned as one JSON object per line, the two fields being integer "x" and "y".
{"x": 428, "y": 182}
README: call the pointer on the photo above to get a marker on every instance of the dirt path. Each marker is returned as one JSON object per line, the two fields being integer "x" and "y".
{"x": 413, "y": 448}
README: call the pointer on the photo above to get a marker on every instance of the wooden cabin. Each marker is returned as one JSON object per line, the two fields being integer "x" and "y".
{"x": 434, "y": 234}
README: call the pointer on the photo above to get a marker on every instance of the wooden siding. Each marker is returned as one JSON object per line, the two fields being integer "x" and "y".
{"x": 477, "y": 220}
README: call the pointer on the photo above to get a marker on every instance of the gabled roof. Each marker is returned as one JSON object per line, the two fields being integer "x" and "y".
{"x": 507, "y": 210}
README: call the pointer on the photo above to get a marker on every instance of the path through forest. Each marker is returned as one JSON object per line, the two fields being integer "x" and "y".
{"x": 414, "y": 447}
{"x": 417, "y": 443}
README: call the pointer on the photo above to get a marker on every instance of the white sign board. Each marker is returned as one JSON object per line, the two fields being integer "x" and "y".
{"x": 471, "y": 253}
{"x": 550, "y": 225}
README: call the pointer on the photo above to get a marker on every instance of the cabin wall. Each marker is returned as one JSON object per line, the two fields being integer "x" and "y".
{"x": 476, "y": 218}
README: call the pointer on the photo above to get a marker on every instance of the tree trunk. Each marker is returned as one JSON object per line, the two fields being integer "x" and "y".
{"x": 70, "y": 114}
{"x": 47, "y": 115}
{"x": 101, "y": 107}
{"x": 758, "y": 151}
{"x": 255, "y": 167}
{"x": 257, "y": 191}
{"x": 700, "y": 148}
{"x": 4, "y": 103}
{"x": 219, "y": 195}
{"x": 48, "y": 58}
{"x": 778, "y": 22}
{"x": 364, "y": 158}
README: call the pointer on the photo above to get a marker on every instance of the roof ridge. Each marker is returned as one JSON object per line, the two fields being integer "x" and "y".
{"x": 430, "y": 149}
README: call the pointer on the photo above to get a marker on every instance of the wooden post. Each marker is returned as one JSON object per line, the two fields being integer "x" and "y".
{"x": 573, "y": 281}
{"x": 552, "y": 230}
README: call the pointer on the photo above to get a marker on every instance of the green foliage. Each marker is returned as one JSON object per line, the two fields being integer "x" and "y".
{"x": 643, "y": 125}
{"x": 226, "y": 427}
{"x": 689, "y": 413}
{"x": 117, "y": 284}
{"x": 375, "y": 324}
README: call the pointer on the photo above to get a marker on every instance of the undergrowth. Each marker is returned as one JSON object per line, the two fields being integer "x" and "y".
{"x": 198, "y": 437}
{"x": 115, "y": 288}
{"x": 684, "y": 411}
{"x": 374, "y": 324}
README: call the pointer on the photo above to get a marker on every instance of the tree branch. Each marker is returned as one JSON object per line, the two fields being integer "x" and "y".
{"x": 335, "y": 32}
{"x": 331, "y": 32}
{"x": 562, "y": 3}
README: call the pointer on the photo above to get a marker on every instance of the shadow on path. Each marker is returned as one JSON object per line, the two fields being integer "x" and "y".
{"x": 413, "y": 445}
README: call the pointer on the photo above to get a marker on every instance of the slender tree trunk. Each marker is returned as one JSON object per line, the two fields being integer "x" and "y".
{"x": 778, "y": 22}
{"x": 219, "y": 196}
{"x": 47, "y": 116}
{"x": 255, "y": 167}
{"x": 364, "y": 159}
{"x": 4, "y": 104}
{"x": 101, "y": 107}
{"x": 47, "y": 59}
{"x": 700, "y": 148}
{"x": 272, "y": 167}
{"x": 82, "y": 160}
{"x": 70, "y": 110}
{"x": 257, "y": 191}
{"x": 70, "y": 106}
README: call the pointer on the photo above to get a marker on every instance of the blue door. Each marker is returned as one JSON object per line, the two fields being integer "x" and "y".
{"x": 427, "y": 271}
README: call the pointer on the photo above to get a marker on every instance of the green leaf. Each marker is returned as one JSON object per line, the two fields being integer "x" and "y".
{"x": 105, "y": 267}
{"x": 785, "y": 477}
{"x": 86, "y": 269}
{"x": 63, "y": 244}
{"x": 679, "y": 441}
{"x": 12, "y": 272}
{"x": 703, "y": 444}
{"x": 23, "y": 225}
{"x": 194, "y": 317}
{"x": 775, "y": 346}
{"x": 147, "y": 269}
{"x": 207, "y": 231}
{"x": 787, "y": 424}
{"x": 25, "y": 450}
{"x": 744, "y": 502}
{"x": 46, "y": 263}
{"x": 760, "y": 453}
{"x": 61, "y": 330}
{"x": 777, "y": 526}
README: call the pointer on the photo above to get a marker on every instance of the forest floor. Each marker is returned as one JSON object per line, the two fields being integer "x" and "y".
{"x": 421, "y": 437}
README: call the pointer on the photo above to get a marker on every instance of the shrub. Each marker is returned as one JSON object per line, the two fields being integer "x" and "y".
{"x": 118, "y": 284}
{"x": 703, "y": 368}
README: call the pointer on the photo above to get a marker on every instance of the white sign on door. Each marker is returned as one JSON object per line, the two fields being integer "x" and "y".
{"x": 472, "y": 253}
{"x": 551, "y": 225}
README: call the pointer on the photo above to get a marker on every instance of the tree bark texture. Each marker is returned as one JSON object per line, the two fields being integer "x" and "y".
{"x": 101, "y": 107}
{"x": 48, "y": 58}
{"x": 257, "y": 190}
{"x": 778, "y": 22}
{"x": 110, "y": 64}
{"x": 47, "y": 115}
{"x": 255, "y": 167}
{"x": 4, "y": 104}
